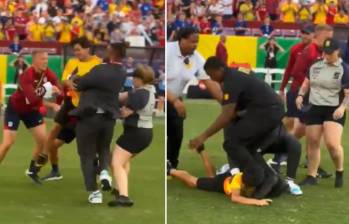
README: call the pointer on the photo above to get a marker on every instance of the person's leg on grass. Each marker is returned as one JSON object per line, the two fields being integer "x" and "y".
{"x": 121, "y": 166}
{"x": 185, "y": 177}
{"x": 313, "y": 135}
{"x": 54, "y": 160}
{"x": 8, "y": 139}
{"x": 333, "y": 136}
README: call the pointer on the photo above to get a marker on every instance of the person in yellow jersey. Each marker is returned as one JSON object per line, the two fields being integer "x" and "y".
{"x": 49, "y": 33}
{"x": 246, "y": 8}
{"x": 341, "y": 17}
{"x": 319, "y": 10}
{"x": 35, "y": 30}
{"x": 64, "y": 29}
{"x": 63, "y": 130}
{"x": 304, "y": 14}
{"x": 289, "y": 11}
{"x": 237, "y": 185}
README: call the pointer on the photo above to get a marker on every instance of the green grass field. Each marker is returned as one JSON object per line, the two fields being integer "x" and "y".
{"x": 65, "y": 201}
{"x": 321, "y": 204}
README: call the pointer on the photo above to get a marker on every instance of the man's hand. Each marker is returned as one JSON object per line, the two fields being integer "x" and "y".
{"x": 56, "y": 90}
{"x": 197, "y": 142}
{"x": 125, "y": 112}
{"x": 180, "y": 108}
{"x": 299, "y": 102}
{"x": 70, "y": 84}
{"x": 263, "y": 202}
{"x": 282, "y": 96}
{"x": 339, "y": 113}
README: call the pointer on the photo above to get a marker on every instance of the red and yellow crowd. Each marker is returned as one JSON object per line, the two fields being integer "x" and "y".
{"x": 209, "y": 15}
{"x": 101, "y": 21}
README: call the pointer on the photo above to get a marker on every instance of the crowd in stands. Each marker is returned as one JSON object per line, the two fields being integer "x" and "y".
{"x": 102, "y": 21}
{"x": 208, "y": 15}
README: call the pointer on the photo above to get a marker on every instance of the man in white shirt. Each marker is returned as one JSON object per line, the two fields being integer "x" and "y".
{"x": 184, "y": 63}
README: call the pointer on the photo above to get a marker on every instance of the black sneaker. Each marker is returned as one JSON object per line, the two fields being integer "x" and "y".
{"x": 266, "y": 187}
{"x": 339, "y": 180}
{"x": 115, "y": 192}
{"x": 53, "y": 175}
{"x": 309, "y": 180}
{"x": 321, "y": 173}
{"x": 34, "y": 176}
{"x": 122, "y": 201}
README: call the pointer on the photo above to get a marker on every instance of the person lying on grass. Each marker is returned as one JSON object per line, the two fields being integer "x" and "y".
{"x": 237, "y": 185}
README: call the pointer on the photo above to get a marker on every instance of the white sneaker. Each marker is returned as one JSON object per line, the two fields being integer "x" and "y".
{"x": 294, "y": 188}
{"x": 95, "y": 197}
{"x": 105, "y": 179}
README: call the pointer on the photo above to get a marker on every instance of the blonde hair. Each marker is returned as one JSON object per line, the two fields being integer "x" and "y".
{"x": 145, "y": 73}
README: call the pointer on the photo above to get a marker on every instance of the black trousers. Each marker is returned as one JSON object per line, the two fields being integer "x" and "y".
{"x": 174, "y": 134}
{"x": 94, "y": 135}
{"x": 243, "y": 134}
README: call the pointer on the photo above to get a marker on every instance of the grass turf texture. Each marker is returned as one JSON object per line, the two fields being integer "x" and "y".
{"x": 321, "y": 204}
{"x": 65, "y": 201}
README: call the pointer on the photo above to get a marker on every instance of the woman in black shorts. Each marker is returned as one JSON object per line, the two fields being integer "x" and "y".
{"x": 328, "y": 87}
{"x": 138, "y": 134}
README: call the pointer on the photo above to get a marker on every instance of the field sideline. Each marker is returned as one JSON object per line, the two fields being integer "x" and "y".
{"x": 65, "y": 201}
{"x": 322, "y": 204}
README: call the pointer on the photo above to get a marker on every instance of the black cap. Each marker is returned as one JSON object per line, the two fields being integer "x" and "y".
{"x": 330, "y": 45}
{"x": 308, "y": 29}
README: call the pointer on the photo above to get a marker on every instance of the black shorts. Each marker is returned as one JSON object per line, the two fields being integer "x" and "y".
{"x": 292, "y": 110}
{"x": 135, "y": 140}
{"x": 67, "y": 134}
{"x": 213, "y": 184}
{"x": 12, "y": 119}
{"x": 62, "y": 117}
{"x": 317, "y": 115}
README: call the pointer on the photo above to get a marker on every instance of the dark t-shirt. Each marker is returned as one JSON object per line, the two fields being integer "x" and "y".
{"x": 137, "y": 100}
{"x": 242, "y": 87}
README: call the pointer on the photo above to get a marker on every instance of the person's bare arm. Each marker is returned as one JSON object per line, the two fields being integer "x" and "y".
{"x": 214, "y": 89}
{"x": 236, "y": 197}
{"x": 303, "y": 90}
{"x": 177, "y": 103}
{"x": 123, "y": 97}
{"x": 227, "y": 115}
{"x": 209, "y": 167}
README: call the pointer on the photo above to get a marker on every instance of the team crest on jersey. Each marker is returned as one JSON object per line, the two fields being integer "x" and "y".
{"x": 226, "y": 96}
{"x": 316, "y": 70}
{"x": 336, "y": 75}
{"x": 40, "y": 91}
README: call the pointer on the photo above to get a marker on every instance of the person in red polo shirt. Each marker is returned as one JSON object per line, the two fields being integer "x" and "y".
{"x": 24, "y": 105}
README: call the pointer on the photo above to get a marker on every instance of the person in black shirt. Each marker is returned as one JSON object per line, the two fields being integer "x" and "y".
{"x": 250, "y": 111}
{"x": 97, "y": 111}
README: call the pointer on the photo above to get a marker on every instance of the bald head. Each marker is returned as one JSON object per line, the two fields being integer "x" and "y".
{"x": 40, "y": 60}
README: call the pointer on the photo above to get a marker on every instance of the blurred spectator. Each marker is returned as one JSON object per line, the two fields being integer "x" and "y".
{"x": 272, "y": 8}
{"x": 146, "y": 7}
{"x": 304, "y": 14}
{"x": 49, "y": 32}
{"x": 21, "y": 20}
{"x": 332, "y": 11}
{"x": 205, "y": 26}
{"x": 240, "y": 26}
{"x": 20, "y": 66}
{"x": 52, "y": 8}
{"x": 272, "y": 48}
{"x": 319, "y": 10}
{"x": 64, "y": 30}
{"x": 341, "y": 17}
{"x": 221, "y": 50}
{"x": 246, "y": 8}
{"x": 267, "y": 29}
{"x": 15, "y": 47}
{"x": 2, "y": 32}
{"x": 217, "y": 25}
{"x": 261, "y": 10}
{"x": 227, "y": 8}
{"x": 10, "y": 30}
{"x": 215, "y": 8}
{"x": 289, "y": 11}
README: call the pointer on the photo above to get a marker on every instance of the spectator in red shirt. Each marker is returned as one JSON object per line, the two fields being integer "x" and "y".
{"x": 205, "y": 25}
{"x": 24, "y": 105}
{"x": 332, "y": 11}
{"x": 272, "y": 8}
{"x": 221, "y": 50}
{"x": 261, "y": 10}
{"x": 10, "y": 30}
{"x": 21, "y": 20}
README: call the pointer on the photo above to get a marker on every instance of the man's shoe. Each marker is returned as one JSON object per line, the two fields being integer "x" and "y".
{"x": 95, "y": 197}
{"x": 53, "y": 175}
{"x": 339, "y": 180}
{"x": 169, "y": 168}
{"x": 34, "y": 176}
{"x": 105, "y": 179}
{"x": 309, "y": 180}
{"x": 294, "y": 188}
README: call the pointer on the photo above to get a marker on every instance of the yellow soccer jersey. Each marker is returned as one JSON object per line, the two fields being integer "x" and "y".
{"x": 80, "y": 68}
{"x": 235, "y": 183}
